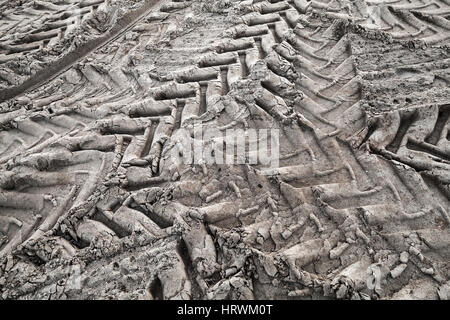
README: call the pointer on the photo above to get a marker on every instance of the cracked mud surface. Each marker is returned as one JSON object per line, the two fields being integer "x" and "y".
{"x": 96, "y": 94}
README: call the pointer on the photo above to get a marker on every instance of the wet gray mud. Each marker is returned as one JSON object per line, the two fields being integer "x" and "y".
{"x": 95, "y": 95}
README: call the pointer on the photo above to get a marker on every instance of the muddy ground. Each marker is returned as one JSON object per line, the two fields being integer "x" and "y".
{"x": 98, "y": 98}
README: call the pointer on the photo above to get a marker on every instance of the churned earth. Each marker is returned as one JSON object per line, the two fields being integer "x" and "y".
{"x": 98, "y": 99}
